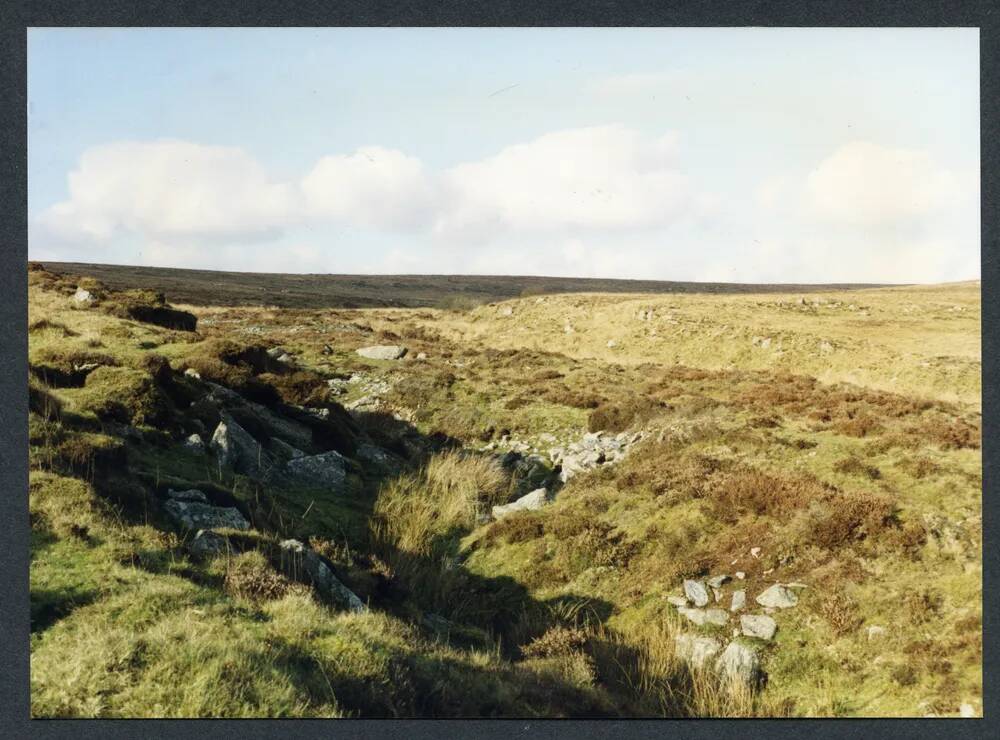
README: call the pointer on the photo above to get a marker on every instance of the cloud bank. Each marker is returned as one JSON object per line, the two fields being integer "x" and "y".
{"x": 597, "y": 201}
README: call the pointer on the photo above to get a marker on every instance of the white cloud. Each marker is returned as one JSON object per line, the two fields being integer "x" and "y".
{"x": 602, "y": 177}
{"x": 170, "y": 189}
{"x": 374, "y": 187}
{"x": 864, "y": 184}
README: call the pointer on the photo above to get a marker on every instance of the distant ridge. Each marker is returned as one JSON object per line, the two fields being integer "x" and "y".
{"x": 217, "y": 288}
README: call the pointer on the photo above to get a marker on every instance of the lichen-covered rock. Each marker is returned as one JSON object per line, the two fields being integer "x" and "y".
{"x": 236, "y": 449}
{"x": 739, "y": 663}
{"x": 739, "y": 601}
{"x": 328, "y": 469}
{"x": 778, "y": 596}
{"x": 696, "y": 591}
{"x": 529, "y": 502}
{"x": 704, "y": 616}
{"x": 83, "y": 297}
{"x": 760, "y": 626}
{"x": 300, "y": 563}
{"x": 377, "y": 458}
{"x": 193, "y": 515}
{"x": 696, "y": 651}
{"x": 382, "y": 352}
{"x": 192, "y": 494}
{"x": 195, "y": 444}
{"x": 677, "y": 601}
{"x": 206, "y": 543}
{"x": 285, "y": 450}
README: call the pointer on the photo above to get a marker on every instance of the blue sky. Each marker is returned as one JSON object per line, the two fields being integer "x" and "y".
{"x": 693, "y": 154}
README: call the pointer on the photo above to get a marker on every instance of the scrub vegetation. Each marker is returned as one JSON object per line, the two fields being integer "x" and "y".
{"x": 828, "y": 439}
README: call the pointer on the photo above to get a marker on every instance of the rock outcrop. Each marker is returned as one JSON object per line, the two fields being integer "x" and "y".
{"x": 300, "y": 563}
{"x": 328, "y": 470}
{"x": 529, "y": 502}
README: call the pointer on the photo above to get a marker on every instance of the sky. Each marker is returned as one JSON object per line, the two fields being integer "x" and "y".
{"x": 748, "y": 155}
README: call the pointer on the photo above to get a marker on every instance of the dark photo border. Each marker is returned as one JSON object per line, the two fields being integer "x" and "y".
{"x": 18, "y": 15}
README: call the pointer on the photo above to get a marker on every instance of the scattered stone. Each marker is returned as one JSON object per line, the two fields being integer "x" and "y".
{"x": 718, "y": 581}
{"x": 612, "y": 344}
{"x": 778, "y": 596}
{"x": 382, "y": 352}
{"x": 506, "y": 311}
{"x": 192, "y": 373}
{"x": 739, "y": 663}
{"x": 421, "y": 355}
{"x": 875, "y": 632}
{"x": 286, "y": 359}
{"x": 529, "y": 502}
{"x": 302, "y": 564}
{"x": 194, "y": 443}
{"x": 695, "y": 650}
{"x": 717, "y": 592}
{"x": 704, "y": 616}
{"x": 696, "y": 591}
{"x": 755, "y": 552}
{"x": 741, "y": 575}
{"x": 758, "y": 625}
{"x": 83, "y": 297}
{"x": 739, "y": 601}
{"x": 677, "y": 601}
{"x": 194, "y": 516}
{"x": 276, "y": 352}
{"x": 328, "y": 469}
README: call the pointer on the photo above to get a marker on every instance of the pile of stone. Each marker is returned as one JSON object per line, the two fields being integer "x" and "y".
{"x": 593, "y": 450}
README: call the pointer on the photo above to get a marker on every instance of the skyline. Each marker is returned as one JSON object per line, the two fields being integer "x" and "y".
{"x": 741, "y": 155}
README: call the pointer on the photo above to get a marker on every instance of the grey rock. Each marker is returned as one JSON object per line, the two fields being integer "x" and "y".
{"x": 696, "y": 591}
{"x": 302, "y": 564}
{"x": 740, "y": 663}
{"x": 717, "y": 581}
{"x": 284, "y": 450}
{"x": 739, "y": 601}
{"x": 717, "y": 593}
{"x": 236, "y": 449}
{"x": 758, "y": 625}
{"x": 192, "y": 373}
{"x": 677, "y": 601}
{"x": 194, "y": 443}
{"x": 704, "y": 616}
{"x": 83, "y": 297}
{"x": 382, "y": 352}
{"x": 193, "y": 515}
{"x": 695, "y": 650}
{"x": 286, "y": 359}
{"x": 192, "y": 494}
{"x": 529, "y": 502}
{"x": 326, "y": 469}
{"x": 275, "y": 352}
{"x": 778, "y": 596}
{"x": 206, "y": 543}
{"x": 376, "y": 457}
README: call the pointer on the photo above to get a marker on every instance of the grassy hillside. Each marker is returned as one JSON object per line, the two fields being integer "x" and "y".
{"x": 830, "y": 440}
{"x": 214, "y": 288}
